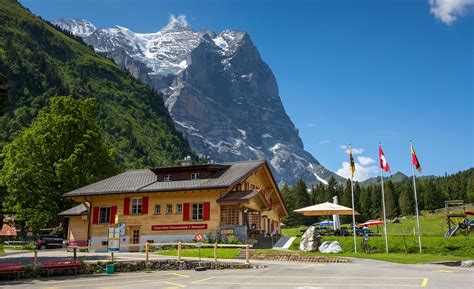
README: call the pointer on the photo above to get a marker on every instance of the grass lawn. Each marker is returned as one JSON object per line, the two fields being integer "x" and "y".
{"x": 222, "y": 253}
{"x": 436, "y": 247}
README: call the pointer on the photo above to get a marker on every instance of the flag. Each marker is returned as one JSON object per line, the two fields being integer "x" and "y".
{"x": 383, "y": 161}
{"x": 352, "y": 163}
{"x": 414, "y": 159}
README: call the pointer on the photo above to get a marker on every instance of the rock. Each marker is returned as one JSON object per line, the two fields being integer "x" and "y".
{"x": 467, "y": 263}
{"x": 330, "y": 247}
{"x": 309, "y": 241}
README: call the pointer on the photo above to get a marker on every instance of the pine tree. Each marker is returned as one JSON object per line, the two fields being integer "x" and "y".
{"x": 391, "y": 200}
{"x": 406, "y": 200}
{"x": 365, "y": 204}
{"x": 376, "y": 201}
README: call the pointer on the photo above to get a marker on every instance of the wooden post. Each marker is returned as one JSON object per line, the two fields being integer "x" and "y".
{"x": 146, "y": 252}
{"x": 215, "y": 252}
{"x": 112, "y": 257}
{"x": 75, "y": 253}
{"x": 179, "y": 251}
{"x": 405, "y": 244}
{"x": 35, "y": 260}
{"x": 247, "y": 254}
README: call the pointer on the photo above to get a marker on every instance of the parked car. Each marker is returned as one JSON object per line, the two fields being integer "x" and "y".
{"x": 49, "y": 242}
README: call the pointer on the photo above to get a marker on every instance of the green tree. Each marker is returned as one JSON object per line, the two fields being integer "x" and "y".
{"x": 375, "y": 201}
{"x": 364, "y": 204}
{"x": 391, "y": 200}
{"x": 431, "y": 197}
{"x": 406, "y": 200}
{"x": 61, "y": 151}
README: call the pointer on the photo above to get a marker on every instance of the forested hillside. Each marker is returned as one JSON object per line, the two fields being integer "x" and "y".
{"x": 399, "y": 197}
{"x": 69, "y": 117}
{"x": 37, "y": 61}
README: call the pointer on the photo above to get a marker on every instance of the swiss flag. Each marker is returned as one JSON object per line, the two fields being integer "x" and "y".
{"x": 383, "y": 161}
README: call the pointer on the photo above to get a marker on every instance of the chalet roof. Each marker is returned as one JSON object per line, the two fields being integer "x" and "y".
{"x": 239, "y": 196}
{"x": 145, "y": 180}
{"x": 81, "y": 209}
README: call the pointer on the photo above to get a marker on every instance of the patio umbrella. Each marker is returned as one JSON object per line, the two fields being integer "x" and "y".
{"x": 325, "y": 223}
{"x": 325, "y": 209}
{"x": 371, "y": 223}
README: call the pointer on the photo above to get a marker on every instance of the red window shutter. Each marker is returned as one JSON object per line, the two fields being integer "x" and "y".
{"x": 186, "y": 212}
{"x": 207, "y": 211}
{"x": 144, "y": 205}
{"x": 95, "y": 215}
{"x": 126, "y": 206}
{"x": 113, "y": 211}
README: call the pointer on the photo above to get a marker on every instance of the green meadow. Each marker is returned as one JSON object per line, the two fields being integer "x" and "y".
{"x": 403, "y": 244}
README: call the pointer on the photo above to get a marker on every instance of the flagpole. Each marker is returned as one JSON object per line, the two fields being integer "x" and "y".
{"x": 416, "y": 203}
{"x": 353, "y": 217}
{"x": 353, "y": 207}
{"x": 384, "y": 216}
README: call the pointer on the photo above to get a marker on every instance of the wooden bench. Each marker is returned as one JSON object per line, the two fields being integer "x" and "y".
{"x": 60, "y": 265}
{"x": 11, "y": 269}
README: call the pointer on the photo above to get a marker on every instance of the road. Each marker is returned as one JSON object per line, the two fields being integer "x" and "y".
{"x": 358, "y": 274}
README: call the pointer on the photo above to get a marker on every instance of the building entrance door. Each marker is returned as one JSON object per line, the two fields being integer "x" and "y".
{"x": 134, "y": 239}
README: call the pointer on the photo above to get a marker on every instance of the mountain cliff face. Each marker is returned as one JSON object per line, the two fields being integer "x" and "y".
{"x": 218, "y": 90}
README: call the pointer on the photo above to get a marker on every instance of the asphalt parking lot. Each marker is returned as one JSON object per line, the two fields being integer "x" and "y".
{"x": 358, "y": 274}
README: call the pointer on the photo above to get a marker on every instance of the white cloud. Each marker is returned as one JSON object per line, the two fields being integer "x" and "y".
{"x": 449, "y": 10}
{"x": 365, "y": 160}
{"x": 181, "y": 19}
{"x": 356, "y": 151}
{"x": 362, "y": 173}
{"x": 364, "y": 168}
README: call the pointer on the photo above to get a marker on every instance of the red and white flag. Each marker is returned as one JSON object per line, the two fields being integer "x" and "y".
{"x": 383, "y": 161}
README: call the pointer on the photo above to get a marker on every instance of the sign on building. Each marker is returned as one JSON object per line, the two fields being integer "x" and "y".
{"x": 114, "y": 240}
{"x": 179, "y": 227}
{"x": 122, "y": 228}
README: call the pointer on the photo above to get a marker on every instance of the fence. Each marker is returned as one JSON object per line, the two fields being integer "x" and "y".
{"x": 146, "y": 246}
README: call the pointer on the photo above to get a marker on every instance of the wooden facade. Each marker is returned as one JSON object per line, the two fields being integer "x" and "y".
{"x": 162, "y": 216}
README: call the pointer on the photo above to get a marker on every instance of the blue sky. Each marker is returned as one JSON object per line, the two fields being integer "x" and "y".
{"x": 355, "y": 72}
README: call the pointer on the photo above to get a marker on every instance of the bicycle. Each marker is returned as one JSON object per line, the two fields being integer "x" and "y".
{"x": 365, "y": 246}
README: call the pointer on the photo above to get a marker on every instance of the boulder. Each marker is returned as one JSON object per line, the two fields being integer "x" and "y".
{"x": 330, "y": 247}
{"x": 310, "y": 240}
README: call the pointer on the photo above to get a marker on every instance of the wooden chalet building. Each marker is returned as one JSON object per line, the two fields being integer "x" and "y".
{"x": 175, "y": 203}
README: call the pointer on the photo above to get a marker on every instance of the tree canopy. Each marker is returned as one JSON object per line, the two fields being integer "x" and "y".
{"x": 61, "y": 151}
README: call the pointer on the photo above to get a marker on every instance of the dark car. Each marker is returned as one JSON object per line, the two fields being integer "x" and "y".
{"x": 49, "y": 242}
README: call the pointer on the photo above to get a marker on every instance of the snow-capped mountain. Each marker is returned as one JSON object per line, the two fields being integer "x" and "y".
{"x": 79, "y": 27}
{"x": 218, "y": 90}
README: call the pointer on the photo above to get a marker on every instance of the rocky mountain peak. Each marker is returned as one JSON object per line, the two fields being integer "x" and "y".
{"x": 79, "y": 27}
{"x": 219, "y": 92}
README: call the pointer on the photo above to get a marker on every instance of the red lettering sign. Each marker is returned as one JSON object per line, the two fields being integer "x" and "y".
{"x": 178, "y": 227}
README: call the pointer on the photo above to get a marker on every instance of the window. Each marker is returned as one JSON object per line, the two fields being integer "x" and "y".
{"x": 169, "y": 208}
{"x": 157, "y": 209}
{"x": 194, "y": 176}
{"x": 136, "y": 236}
{"x": 136, "y": 205}
{"x": 104, "y": 215}
{"x": 197, "y": 212}
{"x": 179, "y": 208}
{"x": 230, "y": 215}
{"x": 167, "y": 178}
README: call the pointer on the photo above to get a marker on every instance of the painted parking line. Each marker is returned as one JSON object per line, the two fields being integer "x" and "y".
{"x": 306, "y": 266}
{"x": 165, "y": 284}
{"x": 317, "y": 281}
{"x": 115, "y": 281}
